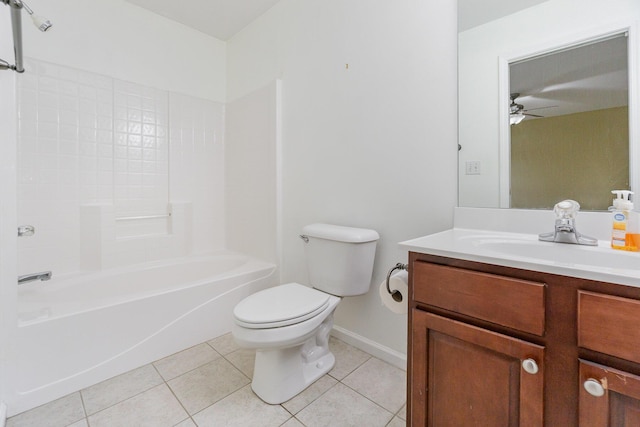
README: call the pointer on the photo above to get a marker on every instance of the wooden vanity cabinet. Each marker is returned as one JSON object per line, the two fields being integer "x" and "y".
{"x": 498, "y": 346}
{"x": 611, "y": 325}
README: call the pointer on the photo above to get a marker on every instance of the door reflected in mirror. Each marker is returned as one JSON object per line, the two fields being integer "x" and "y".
{"x": 569, "y": 126}
{"x": 581, "y": 154}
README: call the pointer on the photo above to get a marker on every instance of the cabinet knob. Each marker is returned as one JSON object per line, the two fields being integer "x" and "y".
{"x": 530, "y": 366}
{"x": 594, "y": 387}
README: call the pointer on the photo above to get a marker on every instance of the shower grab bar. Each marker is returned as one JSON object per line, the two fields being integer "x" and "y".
{"x": 129, "y": 218}
{"x": 43, "y": 275}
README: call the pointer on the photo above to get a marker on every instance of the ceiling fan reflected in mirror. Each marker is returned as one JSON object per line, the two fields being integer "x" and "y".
{"x": 517, "y": 113}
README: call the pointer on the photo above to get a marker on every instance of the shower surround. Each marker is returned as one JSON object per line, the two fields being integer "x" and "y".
{"x": 109, "y": 171}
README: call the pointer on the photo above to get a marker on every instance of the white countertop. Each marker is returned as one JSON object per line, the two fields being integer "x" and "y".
{"x": 525, "y": 251}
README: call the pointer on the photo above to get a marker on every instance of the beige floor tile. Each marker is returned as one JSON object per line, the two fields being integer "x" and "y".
{"x": 348, "y": 358}
{"x": 157, "y": 407}
{"x": 120, "y": 388}
{"x": 185, "y": 361}
{"x": 343, "y": 407}
{"x": 240, "y": 409}
{"x": 186, "y": 423}
{"x": 315, "y": 390}
{"x": 207, "y": 384}
{"x": 244, "y": 360}
{"x": 81, "y": 423}
{"x": 381, "y": 382}
{"x": 61, "y": 412}
{"x": 224, "y": 344}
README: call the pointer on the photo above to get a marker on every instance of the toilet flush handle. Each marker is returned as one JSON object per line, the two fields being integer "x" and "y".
{"x": 305, "y": 238}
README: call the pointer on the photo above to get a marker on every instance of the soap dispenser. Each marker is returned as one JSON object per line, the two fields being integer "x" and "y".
{"x": 632, "y": 238}
{"x": 625, "y": 222}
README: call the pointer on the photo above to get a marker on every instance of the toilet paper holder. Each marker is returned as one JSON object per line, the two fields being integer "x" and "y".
{"x": 395, "y": 294}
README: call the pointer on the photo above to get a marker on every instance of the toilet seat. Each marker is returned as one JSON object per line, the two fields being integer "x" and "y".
{"x": 280, "y": 306}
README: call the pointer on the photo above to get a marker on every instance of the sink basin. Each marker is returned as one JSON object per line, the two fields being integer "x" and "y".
{"x": 601, "y": 257}
{"x": 525, "y": 251}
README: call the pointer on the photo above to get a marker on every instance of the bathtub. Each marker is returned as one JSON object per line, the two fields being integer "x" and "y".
{"x": 78, "y": 330}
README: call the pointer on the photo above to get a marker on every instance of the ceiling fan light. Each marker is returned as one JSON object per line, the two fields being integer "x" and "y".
{"x": 515, "y": 119}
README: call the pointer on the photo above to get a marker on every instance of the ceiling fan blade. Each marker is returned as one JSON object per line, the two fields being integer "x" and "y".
{"x": 541, "y": 108}
{"x": 531, "y": 115}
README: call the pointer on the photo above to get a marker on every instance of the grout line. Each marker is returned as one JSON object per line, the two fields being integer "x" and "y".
{"x": 84, "y": 408}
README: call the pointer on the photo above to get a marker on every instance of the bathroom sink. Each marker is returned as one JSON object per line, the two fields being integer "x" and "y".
{"x": 525, "y": 251}
{"x": 602, "y": 256}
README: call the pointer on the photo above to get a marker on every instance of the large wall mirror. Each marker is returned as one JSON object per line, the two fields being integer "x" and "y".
{"x": 547, "y": 96}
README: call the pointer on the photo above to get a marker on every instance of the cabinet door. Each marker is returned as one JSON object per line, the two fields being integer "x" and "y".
{"x": 608, "y": 397}
{"x": 462, "y": 375}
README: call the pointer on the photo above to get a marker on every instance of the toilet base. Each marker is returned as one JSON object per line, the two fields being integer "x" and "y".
{"x": 281, "y": 373}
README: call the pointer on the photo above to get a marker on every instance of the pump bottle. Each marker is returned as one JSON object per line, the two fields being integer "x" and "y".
{"x": 625, "y": 233}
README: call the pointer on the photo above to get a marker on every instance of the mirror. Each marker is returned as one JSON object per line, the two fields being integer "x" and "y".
{"x": 573, "y": 72}
{"x": 569, "y": 126}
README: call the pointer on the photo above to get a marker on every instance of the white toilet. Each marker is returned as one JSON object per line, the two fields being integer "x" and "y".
{"x": 289, "y": 324}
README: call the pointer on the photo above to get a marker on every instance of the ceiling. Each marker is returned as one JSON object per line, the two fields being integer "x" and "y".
{"x": 472, "y": 13}
{"x": 218, "y": 18}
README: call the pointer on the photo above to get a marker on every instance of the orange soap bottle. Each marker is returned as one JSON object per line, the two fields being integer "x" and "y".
{"x": 632, "y": 238}
{"x": 625, "y": 233}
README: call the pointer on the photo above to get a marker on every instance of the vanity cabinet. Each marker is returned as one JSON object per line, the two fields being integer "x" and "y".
{"x": 610, "y": 325}
{"x": 499, "y": 346}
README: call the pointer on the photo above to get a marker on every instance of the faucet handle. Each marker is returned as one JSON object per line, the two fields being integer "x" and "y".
{"x": 566, "y": 209}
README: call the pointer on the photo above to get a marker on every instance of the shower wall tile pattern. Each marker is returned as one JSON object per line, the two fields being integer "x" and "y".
{"x": 86, "y": 139}
{"x": 141, "y": 161}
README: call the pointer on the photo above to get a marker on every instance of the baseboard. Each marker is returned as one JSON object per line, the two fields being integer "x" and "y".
{"x": 3, "y": 414}
{"x": 378, "y": 350}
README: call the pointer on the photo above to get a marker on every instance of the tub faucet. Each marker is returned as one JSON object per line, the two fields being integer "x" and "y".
{"x": 44, "y": 275}
{"x": 565, "y": 229}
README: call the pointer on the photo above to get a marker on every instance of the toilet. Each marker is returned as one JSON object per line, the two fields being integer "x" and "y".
{"x": 289, "y": 325}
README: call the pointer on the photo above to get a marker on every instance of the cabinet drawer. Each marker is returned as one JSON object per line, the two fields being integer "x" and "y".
{"x": 514, "y": 303}
{"x": 609, "y": 325}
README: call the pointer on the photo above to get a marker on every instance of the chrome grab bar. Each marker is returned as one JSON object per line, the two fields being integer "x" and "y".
{"x": 43, "y": 275}
{"x": 129, "y": 218}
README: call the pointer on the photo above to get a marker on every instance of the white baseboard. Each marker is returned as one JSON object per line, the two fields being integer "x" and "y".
{"x": 3, "y": 414}
{"x": 375, "y": 349}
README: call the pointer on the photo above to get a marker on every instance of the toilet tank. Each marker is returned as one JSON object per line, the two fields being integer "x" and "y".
{"x": 339, "y": 259}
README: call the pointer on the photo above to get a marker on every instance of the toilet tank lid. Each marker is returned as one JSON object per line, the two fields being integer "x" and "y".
{"x": 340, "y": 233}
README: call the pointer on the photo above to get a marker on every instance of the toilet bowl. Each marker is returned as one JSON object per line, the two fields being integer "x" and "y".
{"x": 289, "y": 325}
{"x": 292, "y": 346}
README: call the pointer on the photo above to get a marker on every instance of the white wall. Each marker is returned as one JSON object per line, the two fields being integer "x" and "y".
{"x": 479, "y": 50}
{"x": 371, "y": 144}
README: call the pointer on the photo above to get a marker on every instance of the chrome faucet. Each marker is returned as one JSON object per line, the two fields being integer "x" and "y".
{"x": 44, "y": 275}
{"x": 565, "y": 229}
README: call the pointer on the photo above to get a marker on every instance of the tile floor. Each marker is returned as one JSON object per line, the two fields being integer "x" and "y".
{"x": 209, "y": 385}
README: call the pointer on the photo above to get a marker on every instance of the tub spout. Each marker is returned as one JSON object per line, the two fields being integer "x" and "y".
{"x": 44, "y": 275}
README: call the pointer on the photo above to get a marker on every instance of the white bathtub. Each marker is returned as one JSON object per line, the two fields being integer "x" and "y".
{"x": 79, "y": 330}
